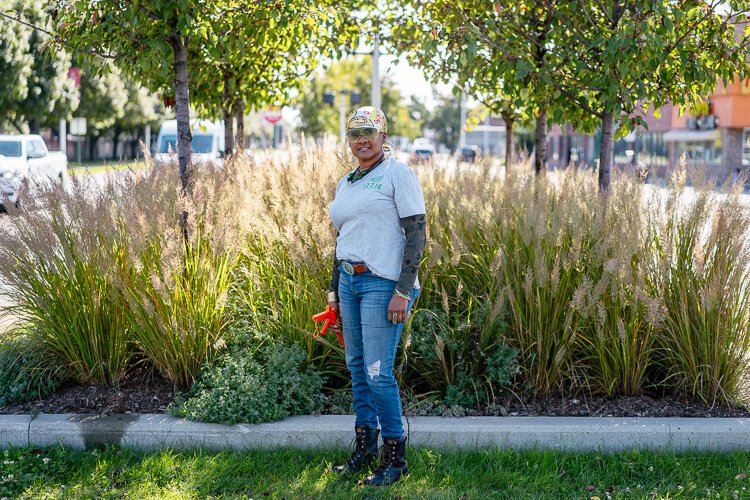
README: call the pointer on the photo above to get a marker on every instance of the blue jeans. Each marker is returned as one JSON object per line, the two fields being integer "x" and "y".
{"x": 371, "y": 342}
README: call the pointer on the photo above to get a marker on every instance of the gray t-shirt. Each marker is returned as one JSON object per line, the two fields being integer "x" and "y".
{"x": 366, "y": 214}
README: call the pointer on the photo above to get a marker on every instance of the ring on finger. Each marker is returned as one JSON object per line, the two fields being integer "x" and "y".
{"x": 394, "y": 318}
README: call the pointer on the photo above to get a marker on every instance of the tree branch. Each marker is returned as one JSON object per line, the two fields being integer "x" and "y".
{"x": 55, "y": 36}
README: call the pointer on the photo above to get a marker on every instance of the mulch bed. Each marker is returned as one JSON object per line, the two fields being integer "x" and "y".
{"x": 641, "y": 406}
{"x": 142, "y": 391}
{"x": 145, "y": 391}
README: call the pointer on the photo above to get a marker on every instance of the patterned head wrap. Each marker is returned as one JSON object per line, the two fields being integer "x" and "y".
{"x": 367, "y": 116}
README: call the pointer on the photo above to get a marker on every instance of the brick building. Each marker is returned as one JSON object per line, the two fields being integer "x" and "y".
{"x": 715, "y": 134}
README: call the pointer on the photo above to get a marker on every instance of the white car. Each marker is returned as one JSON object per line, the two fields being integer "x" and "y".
{"x": 26, "y": 157}
{"x": 207, "y": 145}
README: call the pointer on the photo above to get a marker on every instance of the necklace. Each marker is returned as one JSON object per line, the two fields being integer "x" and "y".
{"x": 358, "y": 174}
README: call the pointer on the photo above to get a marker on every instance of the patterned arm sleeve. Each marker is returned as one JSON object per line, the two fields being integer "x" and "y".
{"x": 416, "y": 234}
{"x": 335, "y": 272}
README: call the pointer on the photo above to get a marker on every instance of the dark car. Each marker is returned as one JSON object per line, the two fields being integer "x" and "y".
{"x": 469, "y": 154}
{"x": 422, "y": 155}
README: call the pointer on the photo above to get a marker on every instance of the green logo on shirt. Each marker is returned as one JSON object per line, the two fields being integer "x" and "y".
{"x": 374, "y": 183}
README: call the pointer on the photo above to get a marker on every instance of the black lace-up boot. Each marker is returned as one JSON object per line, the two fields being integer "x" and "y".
{"x": 392, "y": 463}
{"x": 365, "y": 451}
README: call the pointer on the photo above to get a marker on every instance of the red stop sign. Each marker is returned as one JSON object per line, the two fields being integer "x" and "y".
{"x": 272, "y": 115}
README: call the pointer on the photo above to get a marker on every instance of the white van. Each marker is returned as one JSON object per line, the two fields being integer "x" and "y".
{"x": 208, "y": 142}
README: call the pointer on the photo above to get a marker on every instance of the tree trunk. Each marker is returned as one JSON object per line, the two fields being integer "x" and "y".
{"x": 182, "y": 110}
{"x": 115, "y": 141}
{"x": 509, "y": 152}
{"x": 93, "y": 143}
{"x": 226, "y": 105}
{"x": 606, "y": 148}
{"x": 540, "y": 144}
{"x": 228, "y": 132}
{"x": 239, "y": 110}
{"x": 33, "y": 126}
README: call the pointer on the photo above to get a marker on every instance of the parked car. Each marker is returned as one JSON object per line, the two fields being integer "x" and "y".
{"x": 207, "y": 145}
{"x": 469, "y": 153}
{"x": 422, "y": 151}
{"x": 26, "y": 157}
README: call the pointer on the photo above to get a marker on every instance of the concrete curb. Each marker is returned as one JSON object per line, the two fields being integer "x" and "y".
{"x": 153, "y": 432}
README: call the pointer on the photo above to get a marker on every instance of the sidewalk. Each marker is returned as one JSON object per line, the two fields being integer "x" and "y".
{"x": 151, "y": 432}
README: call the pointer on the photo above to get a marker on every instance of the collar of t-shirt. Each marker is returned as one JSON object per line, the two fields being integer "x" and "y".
{"x": 358, "y": 174}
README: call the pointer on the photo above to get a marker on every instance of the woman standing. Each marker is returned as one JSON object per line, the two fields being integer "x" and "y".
{"x": 379, "y": 216}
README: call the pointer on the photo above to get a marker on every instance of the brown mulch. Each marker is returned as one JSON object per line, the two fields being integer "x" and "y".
{"x": 641, "y": 406}
{"x": 142, "y": 391}
{"x": 145, "y": 391}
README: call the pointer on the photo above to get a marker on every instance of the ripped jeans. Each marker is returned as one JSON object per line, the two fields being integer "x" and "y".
{"x": 371, "y": 342}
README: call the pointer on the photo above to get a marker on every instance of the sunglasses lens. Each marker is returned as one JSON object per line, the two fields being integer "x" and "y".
{"x": 368, "y": 133}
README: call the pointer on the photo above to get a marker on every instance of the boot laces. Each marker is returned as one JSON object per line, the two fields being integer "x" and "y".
{"x": 389, "y": 450}
{"x": 359, "y": 446}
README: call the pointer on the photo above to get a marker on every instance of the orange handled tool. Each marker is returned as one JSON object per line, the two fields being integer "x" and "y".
{"x": 330, "y": 318}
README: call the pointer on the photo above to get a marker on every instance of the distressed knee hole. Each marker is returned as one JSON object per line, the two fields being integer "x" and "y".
{"x": 373, "y": 369}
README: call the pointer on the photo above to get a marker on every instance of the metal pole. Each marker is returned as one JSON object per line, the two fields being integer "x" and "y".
{"x": 375, "y": 89}
{"x": 462, "y": 130}
{"x": 64, "y": 137}
{"x": 342, "y": 116}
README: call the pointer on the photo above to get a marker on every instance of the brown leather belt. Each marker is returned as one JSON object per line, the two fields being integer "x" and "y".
{"x": 352, "y": 269}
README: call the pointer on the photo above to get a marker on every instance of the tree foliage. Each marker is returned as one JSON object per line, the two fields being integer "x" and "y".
{"x": 34, "y": 80}
{"x": 614, "y": 59}
{"x": 589, "y": 63}
{"x": 354, "y": 73}
{"x": 246, "y": 50}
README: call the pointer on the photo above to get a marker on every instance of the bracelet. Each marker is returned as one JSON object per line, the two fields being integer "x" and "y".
{"x": 332, "y": 297}
{"x": 402, "y": 295}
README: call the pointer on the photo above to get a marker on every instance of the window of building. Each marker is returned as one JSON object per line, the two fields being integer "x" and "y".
{"x": 700, "y": 152}
{"x": 746, "y": 149}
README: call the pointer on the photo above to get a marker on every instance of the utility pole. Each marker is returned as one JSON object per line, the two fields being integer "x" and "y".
{"x": 375, "y": 89}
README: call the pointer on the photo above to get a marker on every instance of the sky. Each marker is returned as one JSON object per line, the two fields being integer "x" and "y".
{"x": 409, "y": 80}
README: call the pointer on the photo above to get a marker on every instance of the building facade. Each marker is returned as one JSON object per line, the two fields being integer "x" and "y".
{"x": 715, "y": 134}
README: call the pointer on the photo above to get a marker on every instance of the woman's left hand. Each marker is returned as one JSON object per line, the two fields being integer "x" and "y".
{"x": 397, "y": 309}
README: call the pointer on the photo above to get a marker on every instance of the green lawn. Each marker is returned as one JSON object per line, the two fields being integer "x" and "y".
{"x": 113, "y": 473}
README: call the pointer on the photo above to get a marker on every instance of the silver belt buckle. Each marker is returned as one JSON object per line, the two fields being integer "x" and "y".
{"x": 348, "y": 268}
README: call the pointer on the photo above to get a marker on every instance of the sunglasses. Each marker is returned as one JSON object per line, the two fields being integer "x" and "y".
{"x": 368, "y": 133}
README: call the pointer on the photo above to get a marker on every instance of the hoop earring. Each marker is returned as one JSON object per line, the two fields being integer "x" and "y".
{"x": 343, "y": 158}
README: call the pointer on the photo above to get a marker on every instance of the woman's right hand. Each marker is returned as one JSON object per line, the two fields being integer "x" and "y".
{"x": 335, "y": 306}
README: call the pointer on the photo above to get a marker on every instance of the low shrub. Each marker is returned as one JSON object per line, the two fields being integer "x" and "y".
{"x": 246, "y": 386}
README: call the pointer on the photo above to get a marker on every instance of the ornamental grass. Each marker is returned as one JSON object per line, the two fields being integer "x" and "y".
{"x": 540, "y": 285}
